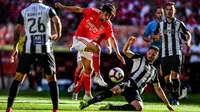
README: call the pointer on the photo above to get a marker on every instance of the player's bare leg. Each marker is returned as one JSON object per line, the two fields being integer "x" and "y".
{"x": 95, "y": 49}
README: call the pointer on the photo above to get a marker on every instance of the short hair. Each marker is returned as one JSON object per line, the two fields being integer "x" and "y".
{"x": 170, "y": 3}
{"x": 109, "y": 8}
{"x": 154, "y": 48}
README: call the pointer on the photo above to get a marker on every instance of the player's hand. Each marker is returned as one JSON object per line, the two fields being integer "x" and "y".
{"x": 131, "y": 40}
{"x": 14, "y": 56}
{"x": 55, "y": 37}
{"x": 188, "y": 44}
{"x": 121, "y": 58}
{"x": 170, "y": 107}
{"x": 58, "y": 5}
{"x": 156, "y": 37}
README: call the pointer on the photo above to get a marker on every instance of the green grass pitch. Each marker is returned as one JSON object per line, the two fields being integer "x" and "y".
{"x": 31, "y": 101}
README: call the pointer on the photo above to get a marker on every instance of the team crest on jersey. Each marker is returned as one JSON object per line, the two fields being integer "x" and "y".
{"x": 101, "y": 27}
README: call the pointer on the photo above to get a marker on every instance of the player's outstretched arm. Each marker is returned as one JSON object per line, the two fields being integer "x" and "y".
{"x": 161, "y": 94}
{"x": 115, "y": 47}
{"x": 126, "y": 48}
{"x": 70, "y": 8}
{"x": 108, "y": 46}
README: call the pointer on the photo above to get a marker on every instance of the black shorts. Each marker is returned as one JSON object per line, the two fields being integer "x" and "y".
{"x": 47, "y": 62}
{"x": 171, "y": 63}
{"x": 130, "y": 90}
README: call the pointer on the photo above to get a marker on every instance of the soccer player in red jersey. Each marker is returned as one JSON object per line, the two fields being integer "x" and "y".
{"x": 78, "y": 77}
{"x": 94, "y": 23}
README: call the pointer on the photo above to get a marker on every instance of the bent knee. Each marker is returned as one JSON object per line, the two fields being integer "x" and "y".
{"x": 139, "y": 108}
{"x": 97, "y": 49}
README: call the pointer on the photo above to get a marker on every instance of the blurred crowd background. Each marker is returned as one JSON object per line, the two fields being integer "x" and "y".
{"x": 131, "y": 18}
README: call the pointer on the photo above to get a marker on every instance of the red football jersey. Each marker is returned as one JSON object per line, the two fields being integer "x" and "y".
{"x": 100, "y": 39}
{"x": 91, "y": 26}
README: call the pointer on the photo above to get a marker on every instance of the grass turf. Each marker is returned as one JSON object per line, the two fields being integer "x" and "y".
{"x": 32, "y": 101}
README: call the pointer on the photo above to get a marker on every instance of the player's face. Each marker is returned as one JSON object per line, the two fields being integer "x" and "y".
{"x": 159, "y": 14}
{"x": 170, "y": 11}
{"x": 105, "y": 16}
{"x": 152, "y": 55}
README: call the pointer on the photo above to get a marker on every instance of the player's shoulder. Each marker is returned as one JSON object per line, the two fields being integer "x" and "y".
{"x": 95, "y": 10}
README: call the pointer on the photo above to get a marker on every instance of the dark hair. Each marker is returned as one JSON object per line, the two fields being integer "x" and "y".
{"x": 158, "y": 7}
{"x": 109, "y": 8}
{"x": 170, "y": 3}
{"x": 154, "y": 48}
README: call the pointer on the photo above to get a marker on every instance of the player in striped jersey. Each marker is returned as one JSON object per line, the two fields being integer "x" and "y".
{"x": 36, "y": 21}
{"x": 142, "y": 72}
{"x": 170, "y": 31}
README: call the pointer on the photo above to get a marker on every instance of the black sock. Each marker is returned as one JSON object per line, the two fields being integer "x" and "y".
{"x": 123, "y": 107}
{"x": 169, "y": 87}
{"x": 176, "y": 88}
{"x": 54, "y": 93}
{"x": 14, "y": 89}
{"x": 100, "y": 97}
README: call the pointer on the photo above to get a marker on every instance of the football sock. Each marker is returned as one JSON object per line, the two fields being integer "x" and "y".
{"x": 76, "y": 75}
{"x": 54, "y": 93}
{"x": 176, "y": 88}
{"x": 96, "y": 62}
{"x": 100, "y": 97}
{"x": 87, "y": 83}
{"x": 123, "y": 107}
{"x": 169, "y": 87}
{"x": 14, "y": 89}
{"x": 79, "y": 85}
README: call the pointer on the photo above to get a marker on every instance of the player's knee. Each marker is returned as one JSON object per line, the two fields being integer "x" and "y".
{"x": 20, "y": 77}
{"x": 138, "y": 105}
{"x": 88, "y": 70}
{"x": 51, "y": 78}
{"x": 97, "y": 49}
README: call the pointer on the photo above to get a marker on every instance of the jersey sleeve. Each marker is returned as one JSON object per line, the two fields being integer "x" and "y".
{"x": 147, "y": 31}
{"x": 155, "y": 78}
{"x": 135, "y": 56}
{"x": 183, "y": 28}
{"x": 52, "y": 13}
{"x": 156, "y": 31}
{"x": 86, "y": 11}
{"x": 20, "y": 20}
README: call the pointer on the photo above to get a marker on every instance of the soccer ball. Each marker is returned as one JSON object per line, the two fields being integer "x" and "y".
{"x": 116, "y": 74}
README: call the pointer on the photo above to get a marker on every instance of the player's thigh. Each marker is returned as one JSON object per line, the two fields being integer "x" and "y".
{"x": 25, "y": 61}
{"x": 87, "y": 67}
{"x": 177, "y": 63}
{"x": 80, "y": 43}
{"x": 47, "y": 62}
{"x": 166, "y": 66}
{"x": 130, "y": 90}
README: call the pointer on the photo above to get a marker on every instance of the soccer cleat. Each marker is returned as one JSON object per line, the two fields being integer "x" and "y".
{"x": 55, "y": 110}
{"x": 106, "y": 107}
{"x": 175, "y": 102}
{"x": 9, "y": 109}
{"x": 74, "y": 96}
{"x": 184, "y": 93}
{"x": 86, "y": 97}
{"x": 71, "y": 88}
{"x": 99, "y": 80}
{"x": 83, "y": 104}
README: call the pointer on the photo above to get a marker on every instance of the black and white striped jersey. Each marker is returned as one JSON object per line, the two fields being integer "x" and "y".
{"x": 143, "y": 72}
{"x": 171, "y": 36}
{"x": 36, "y": 20}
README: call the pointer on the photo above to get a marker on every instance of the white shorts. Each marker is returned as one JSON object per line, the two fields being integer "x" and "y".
{"x": 87, "y": 55}
{"x": 80, "y": 43}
